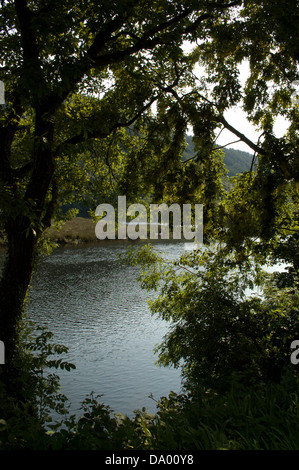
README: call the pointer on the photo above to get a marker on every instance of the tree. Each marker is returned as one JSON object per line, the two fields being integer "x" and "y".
{"x": 216, "y": 331}
{"x": 53, "y": 54}
{"x": 78, "y": 74}
{"x": 230, "y": 322}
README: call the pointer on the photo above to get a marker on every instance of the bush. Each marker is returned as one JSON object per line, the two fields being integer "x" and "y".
{"x": 27, "y": 412}
{"x": 264, "y": 417}
{"x": 227, "y": 319}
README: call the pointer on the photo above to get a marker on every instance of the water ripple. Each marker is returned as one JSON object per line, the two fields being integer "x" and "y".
{"x": 94, "y": 305}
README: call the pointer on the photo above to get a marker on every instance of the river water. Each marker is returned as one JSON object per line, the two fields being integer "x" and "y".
{"x": 94, "y": 305}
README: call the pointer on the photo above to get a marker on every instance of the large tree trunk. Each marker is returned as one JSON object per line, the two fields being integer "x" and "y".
{"x": 22, "y": 241}
{"x": 14, "y": 284}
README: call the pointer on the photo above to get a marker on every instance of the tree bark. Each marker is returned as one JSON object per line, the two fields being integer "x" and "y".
{"x": 14, "y": 284}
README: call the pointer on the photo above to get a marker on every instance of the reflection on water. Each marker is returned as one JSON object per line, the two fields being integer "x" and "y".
{"x": 94, "y": 305}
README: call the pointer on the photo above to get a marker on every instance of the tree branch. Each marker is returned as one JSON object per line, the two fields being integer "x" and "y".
{"x": 46, "y": 221}
{"x": 29, "y": 42}
{"x": 103, "y": 36}
{"x": 189, "y": 159}
{"x": 97, "y": 133}
{"x": 252, "y": 145}
{"x": 229, "y": 143}
{"x": 148, "y": 40}
{"x": 220, "y": 118}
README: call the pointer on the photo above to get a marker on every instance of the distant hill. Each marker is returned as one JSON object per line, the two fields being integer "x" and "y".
{"x": 236, "y": 161}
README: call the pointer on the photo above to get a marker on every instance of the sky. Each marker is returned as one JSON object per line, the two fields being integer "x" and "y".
{"x": 237, "y": 118}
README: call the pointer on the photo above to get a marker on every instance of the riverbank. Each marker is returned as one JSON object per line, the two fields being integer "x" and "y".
{"x": 79, "y": 231}
{"x": 76, "y": 231}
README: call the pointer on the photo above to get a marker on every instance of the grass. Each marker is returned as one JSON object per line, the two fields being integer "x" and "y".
{"x": 77, "y": 230}
{"x": 81, "y": 230}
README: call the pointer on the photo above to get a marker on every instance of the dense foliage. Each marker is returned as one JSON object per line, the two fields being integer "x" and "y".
{"x": 227, "y": 320}
{"x": 76, "y": 75}
{"x": 236, "y": 161}
{"x": 243, "y": 418}
{"x": 99, "y": 99}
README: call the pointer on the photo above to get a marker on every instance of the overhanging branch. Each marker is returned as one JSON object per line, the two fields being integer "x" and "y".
{"x": 220, "y": 118}
{"x": 98, "y": 133}
{"x": 242, "y": 137}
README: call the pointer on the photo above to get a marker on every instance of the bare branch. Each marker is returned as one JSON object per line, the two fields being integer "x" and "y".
{"x": 229, "y": 143}
{"x": 241, "y": 136}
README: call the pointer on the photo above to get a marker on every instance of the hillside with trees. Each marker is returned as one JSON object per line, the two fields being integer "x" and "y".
{"x": 236, "y": 161}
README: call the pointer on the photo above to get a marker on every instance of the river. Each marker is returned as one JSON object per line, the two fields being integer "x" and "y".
{"x": 94, "y": 305}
